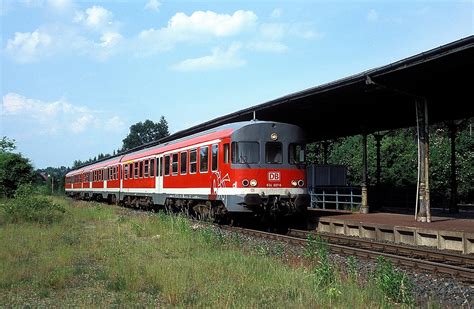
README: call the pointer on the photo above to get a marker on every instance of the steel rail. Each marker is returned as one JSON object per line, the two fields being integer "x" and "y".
{"x": 460, "y": 272}
{"x": 387, "y": 247}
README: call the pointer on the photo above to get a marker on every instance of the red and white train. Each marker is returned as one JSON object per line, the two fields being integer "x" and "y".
{"x": 254, "y": 166}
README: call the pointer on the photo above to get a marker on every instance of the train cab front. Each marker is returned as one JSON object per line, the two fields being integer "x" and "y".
{"x": 267, "y": 162}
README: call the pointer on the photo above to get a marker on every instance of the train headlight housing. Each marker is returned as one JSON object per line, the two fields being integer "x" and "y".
{"x": 300, "y": 183}
{"x": 253, "y": 183}
{"x": 245, "y": 183}
{"x": 294, "y": 183}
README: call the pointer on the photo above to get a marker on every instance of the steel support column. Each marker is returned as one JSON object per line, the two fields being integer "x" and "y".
{"x": 365, "y": 205}
{"x": 423, "y": 187}
{"x": 453, "y": 201}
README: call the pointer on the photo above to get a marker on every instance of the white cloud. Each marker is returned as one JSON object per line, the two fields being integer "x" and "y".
{"x": 198, "y": 27}
{"x": 114, "y": 124}
{"x": 95, "y": 17}
{"x": 80, "y": 124}
{"x": 211, "y": 23}
{"x": 219, "y": 59}
{"x": 276, "y": 13}
{"x": 56, "y": 116}
{"x": 269, "y": 46}
{"x": 273, "y": 31}
{"x": 62, "y": 39}
{"x": 27, "y": 46}
{"x": 372, "y": 15}
{"x": 110, "y": 39}
{"x": 60, "y": 4}
{"x": 94, "y": 32}
{"x": 153, "y": 5}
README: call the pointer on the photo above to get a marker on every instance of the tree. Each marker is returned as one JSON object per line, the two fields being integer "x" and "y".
{"x": 54, "y": 174}
{"x": 7, "y": 144}
{"x": 399, "y": 159}
{"x": 145, "y": 132}
{"x": 14, "y": 168}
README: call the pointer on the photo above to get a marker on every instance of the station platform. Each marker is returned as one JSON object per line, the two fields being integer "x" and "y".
{"x": 443, "y": 233}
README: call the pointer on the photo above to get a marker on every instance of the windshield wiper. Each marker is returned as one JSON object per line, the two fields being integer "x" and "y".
{"x": 242, "y": 158}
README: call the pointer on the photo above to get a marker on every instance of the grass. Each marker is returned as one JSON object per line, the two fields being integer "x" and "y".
{"x": 100, "y": 255}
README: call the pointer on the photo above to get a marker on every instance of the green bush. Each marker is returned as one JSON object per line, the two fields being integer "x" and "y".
{"x": 393, "y": 283}
{"x": 28, "y": 206}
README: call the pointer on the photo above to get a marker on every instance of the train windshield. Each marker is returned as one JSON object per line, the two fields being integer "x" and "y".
{"x": 296, "y": 154}
{"x": 245, "y": 152}
{"x": 273, "y": 153}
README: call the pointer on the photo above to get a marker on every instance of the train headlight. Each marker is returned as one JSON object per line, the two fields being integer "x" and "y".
{"x": 245, "y": 183}
{"x": 294, "y": 183}
{"x": 253, "y": 183}
{"x": 300, "y": 183}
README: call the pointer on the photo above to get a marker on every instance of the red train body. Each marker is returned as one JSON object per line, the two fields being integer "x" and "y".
{"x": 250, "y": 166}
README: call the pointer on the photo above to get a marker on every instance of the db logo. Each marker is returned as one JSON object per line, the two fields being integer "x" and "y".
{"x": 273, "y": 176}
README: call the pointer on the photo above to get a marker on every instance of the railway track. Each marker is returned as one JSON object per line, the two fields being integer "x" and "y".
{"x": 459, "y": 266}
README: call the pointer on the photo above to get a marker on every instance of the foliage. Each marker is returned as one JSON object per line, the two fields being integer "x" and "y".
{"x": 100, "y": 156}
{"x": 14, "y": 169}
{"x": 145, "y": 132}
{"x": 55, "y": 179}
{"x": 394, "y": 284}
{"x": 352, "y": 263}
{"x": 104, "y": 256}
{"x": 399, "y": 159}
{"x": 28, "y": 206}
{"x": 7, "y": 144}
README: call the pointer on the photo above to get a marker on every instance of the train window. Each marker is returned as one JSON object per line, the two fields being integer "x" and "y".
{"x": 140, "y": 169}
{"x": 125, "y": 171}
{"x": 174, "y": 164}
{"x": 215, "y": 151}
{"x": 167, "y": 165}
{"x": 273, "y": 153}
{"x": 192, "y": 161}
{"x": 115, "y": 172}
{"x": 184, "y": 162}
{"x": 106, "y": 173}
{"x": 135, "y": 170}
{"x": 130, "y": 171}
{"x": 146, "y": 168}
{"x": 152, "y": 168}
{"x": 204, "y": 159}
{"x": 160, "y": 167}
{"x": 245, "y": 152}
{"x": 226, "y": 153}
{"x": 296, "y": 154}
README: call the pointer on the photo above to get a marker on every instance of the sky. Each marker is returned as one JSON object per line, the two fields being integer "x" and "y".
{"x": 75, "y": 75}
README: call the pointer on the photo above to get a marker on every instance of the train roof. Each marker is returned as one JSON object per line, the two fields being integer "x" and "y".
{"x": 168, "y": 144}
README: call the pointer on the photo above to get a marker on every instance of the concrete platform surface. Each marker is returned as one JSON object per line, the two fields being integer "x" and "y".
{"x": 443, "y": 233}
{"x": 437, "y": 223}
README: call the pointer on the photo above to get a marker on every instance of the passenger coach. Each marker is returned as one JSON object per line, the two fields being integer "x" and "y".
{"x": 253, "y": 166}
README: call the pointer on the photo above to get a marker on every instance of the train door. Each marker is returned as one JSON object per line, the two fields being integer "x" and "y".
{"x": 159, "y": 174}
{"x": 104, "y": 177}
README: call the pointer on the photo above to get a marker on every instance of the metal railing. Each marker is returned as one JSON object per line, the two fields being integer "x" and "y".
{"x": 339, "y": 198}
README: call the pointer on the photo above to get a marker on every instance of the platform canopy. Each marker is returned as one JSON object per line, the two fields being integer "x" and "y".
{"x": 374, "y": 100}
